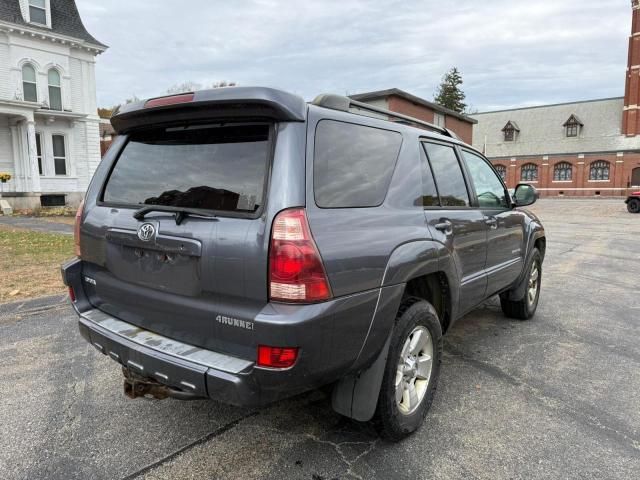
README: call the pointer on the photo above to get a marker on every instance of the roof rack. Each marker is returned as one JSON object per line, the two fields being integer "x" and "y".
{"x": 346, "y": 104}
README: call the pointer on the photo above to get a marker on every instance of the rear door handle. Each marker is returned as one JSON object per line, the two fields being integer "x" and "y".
{"x": 492, "y": 222}
{"x": 444, "y": 226}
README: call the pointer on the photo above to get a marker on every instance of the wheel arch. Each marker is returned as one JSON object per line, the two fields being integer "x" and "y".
{"x": 429, "y": 272}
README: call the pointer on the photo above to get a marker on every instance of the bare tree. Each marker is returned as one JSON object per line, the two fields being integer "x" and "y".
{"x": 191, "y": 86}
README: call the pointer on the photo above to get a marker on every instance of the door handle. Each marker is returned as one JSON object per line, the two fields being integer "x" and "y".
{"x": 444, "y": 226}
{"x": 492, "y": 222}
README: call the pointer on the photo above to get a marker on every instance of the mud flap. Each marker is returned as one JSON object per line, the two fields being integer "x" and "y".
{"x": 356, "y": 396}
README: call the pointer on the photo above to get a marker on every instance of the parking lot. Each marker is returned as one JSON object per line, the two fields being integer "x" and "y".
{"x": 554, "y": 397}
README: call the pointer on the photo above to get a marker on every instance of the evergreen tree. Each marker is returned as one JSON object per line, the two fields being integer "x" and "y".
{"x": 449, "y": 94}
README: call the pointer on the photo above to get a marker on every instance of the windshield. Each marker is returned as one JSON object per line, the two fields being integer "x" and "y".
{"x": 214, "y": 168}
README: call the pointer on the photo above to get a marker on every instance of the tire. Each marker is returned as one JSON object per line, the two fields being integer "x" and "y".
{"x": 396, "y": 419}
{"x": 525, "y": 307}
{"x": 633, "y": 205}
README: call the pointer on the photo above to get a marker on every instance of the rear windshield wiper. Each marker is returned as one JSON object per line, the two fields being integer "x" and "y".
{"x": 180, "y": 212}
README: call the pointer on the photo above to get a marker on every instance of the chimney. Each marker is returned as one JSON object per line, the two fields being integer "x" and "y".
{"x": 631, "y": 113}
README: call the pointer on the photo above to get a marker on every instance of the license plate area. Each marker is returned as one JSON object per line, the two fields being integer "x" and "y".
{"x": 155, "y": 268}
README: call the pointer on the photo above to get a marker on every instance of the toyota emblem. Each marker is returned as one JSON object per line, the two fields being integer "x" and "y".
{"x": 146, "y": 232}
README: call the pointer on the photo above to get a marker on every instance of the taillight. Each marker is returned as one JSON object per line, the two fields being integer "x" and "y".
{"x": 76, "y": 229}
{"x": 72, "y": 295}
{"x": 296, "y": 273}
{"x": 276, "y": 357}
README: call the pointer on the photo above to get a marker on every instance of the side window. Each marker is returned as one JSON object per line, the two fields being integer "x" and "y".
{"x": 489, "y": 188}
{"x": 429, "y": 191}
{"x": 59, "y": 155}
{"x": 353, "y": 164}
{"x": 39, "y": 152}
{"x": 448, "y": 175}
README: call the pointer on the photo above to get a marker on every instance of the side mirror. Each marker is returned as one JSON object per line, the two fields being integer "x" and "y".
{"x": 524, "y": 195}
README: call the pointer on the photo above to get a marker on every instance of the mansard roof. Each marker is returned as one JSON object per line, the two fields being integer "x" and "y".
{"x": 65, "y": 19}
{"x": 542, "y": 131}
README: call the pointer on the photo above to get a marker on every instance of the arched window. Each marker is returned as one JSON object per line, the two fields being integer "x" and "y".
{"x": 29, "y": 88}
{"x": 529, "y": 172}
{"x": 599, "y": 170}
{"x": 502, "y": 171}
{"x": 562, "y": 171}
{"x": 55, "y": 92}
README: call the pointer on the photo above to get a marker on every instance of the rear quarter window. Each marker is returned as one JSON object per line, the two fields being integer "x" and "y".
{"x": 353, "y": 164}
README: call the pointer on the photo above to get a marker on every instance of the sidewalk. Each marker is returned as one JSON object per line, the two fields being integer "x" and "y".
{"x": 37, "y": 224}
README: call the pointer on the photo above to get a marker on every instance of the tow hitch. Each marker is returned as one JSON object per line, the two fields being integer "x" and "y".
{"x": 137, "y": 386}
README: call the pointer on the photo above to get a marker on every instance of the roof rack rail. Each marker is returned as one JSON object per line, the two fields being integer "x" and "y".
{"x": 346, "y": 104}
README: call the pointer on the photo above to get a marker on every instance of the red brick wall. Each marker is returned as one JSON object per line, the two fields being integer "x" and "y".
{"x": 463, "y": 129}
{"x": 620, "y": 170}
{"x": 104, "y": 146}
{"x": 631, "y": 115}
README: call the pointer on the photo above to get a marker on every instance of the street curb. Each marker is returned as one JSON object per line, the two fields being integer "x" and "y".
{"x": 31, "y": 304}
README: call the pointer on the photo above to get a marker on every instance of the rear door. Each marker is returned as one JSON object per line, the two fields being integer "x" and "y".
{"x": 452, "y": 219}
{"x": 505, "y": 235}
{"x": 172, "y": 275}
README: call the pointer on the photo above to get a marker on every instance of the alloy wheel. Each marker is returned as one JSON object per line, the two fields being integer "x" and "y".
{"x": 414, "y": 370}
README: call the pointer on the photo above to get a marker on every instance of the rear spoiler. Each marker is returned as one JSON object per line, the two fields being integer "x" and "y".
{"x": 252, "y": 103}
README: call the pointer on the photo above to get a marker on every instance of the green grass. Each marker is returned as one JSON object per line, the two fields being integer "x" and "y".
{"x": 30, "y": 263}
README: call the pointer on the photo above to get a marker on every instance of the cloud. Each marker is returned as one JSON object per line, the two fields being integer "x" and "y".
{"x": 511, "y": 53}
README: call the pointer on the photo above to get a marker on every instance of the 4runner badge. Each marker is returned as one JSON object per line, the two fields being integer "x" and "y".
{"x": 234, "y": 322}
{"x": 146, "y": 232}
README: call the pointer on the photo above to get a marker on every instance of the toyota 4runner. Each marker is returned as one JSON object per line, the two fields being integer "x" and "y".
{"x": 242, "y": 245}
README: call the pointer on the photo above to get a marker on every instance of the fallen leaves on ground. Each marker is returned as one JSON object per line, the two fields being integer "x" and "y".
{"x": 30, "y": 263}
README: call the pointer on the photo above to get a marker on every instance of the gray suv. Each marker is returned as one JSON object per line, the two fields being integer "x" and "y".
{"x": 242, "y": 245}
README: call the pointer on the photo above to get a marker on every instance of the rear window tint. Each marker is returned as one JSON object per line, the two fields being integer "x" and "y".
{"x": 353, "y": 164}
{"x": 212, "y": 168}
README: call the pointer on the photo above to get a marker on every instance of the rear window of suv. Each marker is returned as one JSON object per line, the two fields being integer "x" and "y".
{"x": 222, "y": 168}
{"x": 353, "y": 164}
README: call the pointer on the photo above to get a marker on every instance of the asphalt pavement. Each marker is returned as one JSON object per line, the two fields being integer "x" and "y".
{"x": 38, "y": 224}
{"x": 553, "y": 397}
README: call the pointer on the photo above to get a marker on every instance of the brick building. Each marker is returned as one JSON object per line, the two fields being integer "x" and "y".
{"x": 400, "y": 101}
{"x": 589, "y": 148}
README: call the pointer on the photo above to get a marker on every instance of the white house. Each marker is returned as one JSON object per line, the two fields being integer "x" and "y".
{"x": 49, "y": 127}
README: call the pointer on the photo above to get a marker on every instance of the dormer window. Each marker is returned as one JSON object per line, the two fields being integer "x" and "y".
{"x": 573, "y": 126}
{"x": 38, "y": 11}
{"x": 510, "y": 131}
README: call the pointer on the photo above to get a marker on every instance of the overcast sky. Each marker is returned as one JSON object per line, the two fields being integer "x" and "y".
{"x": 510, "y": 52}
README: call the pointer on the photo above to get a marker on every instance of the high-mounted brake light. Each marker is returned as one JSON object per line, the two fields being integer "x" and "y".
{"x": 276, "y": 357}
{"x": 76, "y": 229}
{"x": 296, "y": 273}
{"x": 171, "y": 100}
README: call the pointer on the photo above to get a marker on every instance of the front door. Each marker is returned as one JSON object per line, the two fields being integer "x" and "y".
{"x": 635, "y": 177}
{"x": 453, "y": 222}
{"x": 505, "y": 235}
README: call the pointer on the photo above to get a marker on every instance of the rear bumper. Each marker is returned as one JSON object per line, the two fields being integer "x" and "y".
{"x": 198, "y": 372}
{"x": 316, "y": 329}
